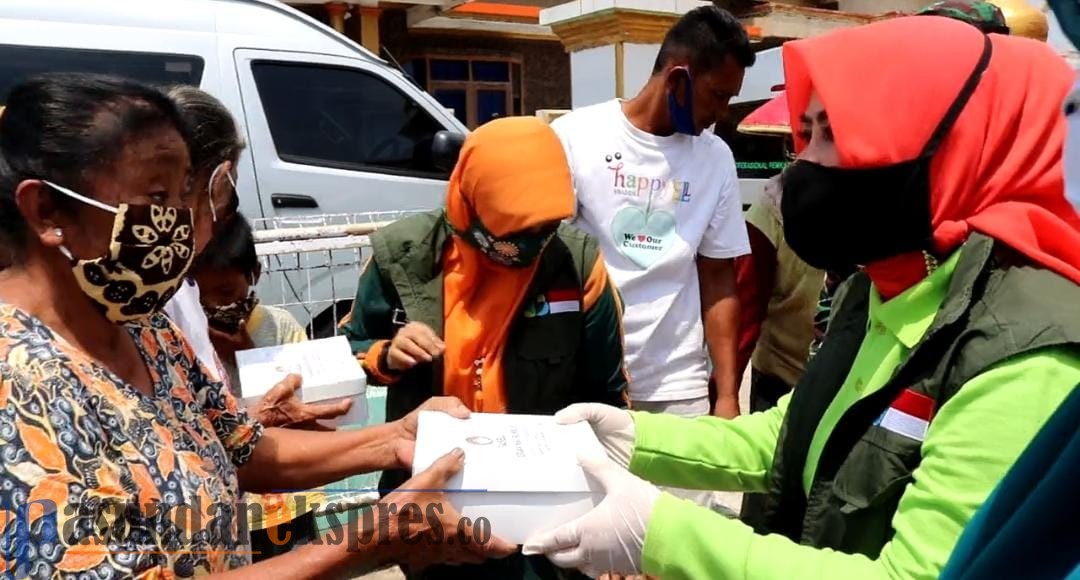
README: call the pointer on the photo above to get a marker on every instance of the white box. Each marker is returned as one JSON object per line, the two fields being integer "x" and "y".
{"x": 329, "y": 370}
{"x": 521, "y": 471}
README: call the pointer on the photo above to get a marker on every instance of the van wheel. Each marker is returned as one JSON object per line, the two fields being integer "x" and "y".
{"x": 326, "y": 323}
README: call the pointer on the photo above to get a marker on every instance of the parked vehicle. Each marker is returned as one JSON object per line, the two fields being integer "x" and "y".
{"x": 330, "y": 127}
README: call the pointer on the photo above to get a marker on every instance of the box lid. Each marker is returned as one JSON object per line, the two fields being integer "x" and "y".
{"x": 508, "y": 453}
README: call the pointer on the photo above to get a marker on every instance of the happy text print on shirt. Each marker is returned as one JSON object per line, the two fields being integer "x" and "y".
{"x": 644, "y": 234}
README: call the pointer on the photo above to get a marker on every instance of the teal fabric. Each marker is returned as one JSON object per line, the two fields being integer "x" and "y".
{"x": 1030, "y": 525}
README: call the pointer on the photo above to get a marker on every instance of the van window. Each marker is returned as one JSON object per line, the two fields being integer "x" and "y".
{"x": 344, "y": 118}
{"x": 17, "y": 63}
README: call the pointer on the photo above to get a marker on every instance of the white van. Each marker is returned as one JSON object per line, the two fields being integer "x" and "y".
{"x": 330, "y": 128}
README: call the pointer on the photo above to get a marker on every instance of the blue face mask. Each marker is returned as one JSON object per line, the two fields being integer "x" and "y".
{"x": 682, "y": 116}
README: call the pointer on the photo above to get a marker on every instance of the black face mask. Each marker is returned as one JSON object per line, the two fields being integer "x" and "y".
{"x": 837, "y": 218}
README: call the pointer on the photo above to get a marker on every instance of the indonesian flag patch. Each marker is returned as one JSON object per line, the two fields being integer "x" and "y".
{"x": 909, "y": 415}
{"x": 554, "y": 302}
{"x": 560, "y": 301}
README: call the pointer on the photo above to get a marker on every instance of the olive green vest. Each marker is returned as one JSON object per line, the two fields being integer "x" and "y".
{"x": 997, "y": 306}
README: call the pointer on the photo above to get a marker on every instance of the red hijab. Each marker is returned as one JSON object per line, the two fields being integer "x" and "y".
{"x": 887, "y": 85}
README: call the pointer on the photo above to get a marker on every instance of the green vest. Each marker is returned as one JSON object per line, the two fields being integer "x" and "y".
{"x": 998, "y": 306}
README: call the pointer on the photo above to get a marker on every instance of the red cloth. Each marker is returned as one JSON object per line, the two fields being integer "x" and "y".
{"x": 755, "y": 277}
{"x": 887, "y": 85}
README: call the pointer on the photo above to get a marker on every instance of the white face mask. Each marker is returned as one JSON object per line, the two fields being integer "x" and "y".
{"x": 210, "y": 188}
{"x": 1072, "y": 147}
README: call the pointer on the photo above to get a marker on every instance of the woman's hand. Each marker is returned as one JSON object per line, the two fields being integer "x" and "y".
{"x": 415, "y": 343}
{"x": 405, "y": 443}
{"x": 425, "y": 529}
{"x": 282, "y": 408}
{"x": 613, "y": 427}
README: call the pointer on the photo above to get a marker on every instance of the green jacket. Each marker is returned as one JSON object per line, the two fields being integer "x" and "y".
{"x": 550, "y": 360}
{"x": 997, "y": 352}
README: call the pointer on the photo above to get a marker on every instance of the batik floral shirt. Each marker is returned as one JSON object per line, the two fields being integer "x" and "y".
{"x": 98, "y": 480}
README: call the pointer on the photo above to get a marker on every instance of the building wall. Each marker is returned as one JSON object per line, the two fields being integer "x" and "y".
{"x": 594, "y": 75}
{"x": 638, "y": 61}
{"x": 546, "y": 65}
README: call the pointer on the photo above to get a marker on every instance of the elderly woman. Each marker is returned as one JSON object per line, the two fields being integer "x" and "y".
{"x": 280, "y": 521}
{"x": 492, "y": 300}
{"x": 936, "y": 169}
{"x": 130, "y": 458}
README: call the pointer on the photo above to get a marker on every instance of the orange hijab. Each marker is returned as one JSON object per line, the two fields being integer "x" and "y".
{"x": 513, "y": 173}
{"x": 887, "y": 85}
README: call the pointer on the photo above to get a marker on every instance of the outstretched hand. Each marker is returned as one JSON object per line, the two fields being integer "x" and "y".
{"x": 610, "y": 538}
{"x": 405, "y": 444}
{"x": 613, "y": 427}
{"x": 280, "y": 407}
{"x": 449, "y": 538}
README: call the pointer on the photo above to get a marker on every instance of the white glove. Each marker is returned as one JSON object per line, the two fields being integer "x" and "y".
{"x": 613, "y": 427}
{"x": 611, "y": 537}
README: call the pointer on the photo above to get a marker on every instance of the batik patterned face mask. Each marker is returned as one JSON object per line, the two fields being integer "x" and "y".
{"x": 513, "y": 251}
{"x": 231, "y": 317}
{"x": 150, "y": 250}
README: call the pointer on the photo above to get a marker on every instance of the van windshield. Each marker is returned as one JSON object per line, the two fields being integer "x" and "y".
{"x": 18, "y": 63}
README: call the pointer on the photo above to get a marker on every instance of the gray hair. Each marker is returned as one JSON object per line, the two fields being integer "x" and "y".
{"x": 213, "y": 134}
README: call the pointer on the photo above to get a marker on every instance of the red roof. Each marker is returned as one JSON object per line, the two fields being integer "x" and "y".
{"x": 771, "y": 118}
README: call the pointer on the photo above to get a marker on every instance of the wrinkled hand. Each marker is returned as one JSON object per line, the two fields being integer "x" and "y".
{"x": 415, "y": 343}
{"x": 609, "y": 538}
{"x": 405, "y": 442}
{"x": 613, "y": 427}
{"x": 426, "y": 529}
{"x": 228, "y": 344}
{"x": 282, "y": 408}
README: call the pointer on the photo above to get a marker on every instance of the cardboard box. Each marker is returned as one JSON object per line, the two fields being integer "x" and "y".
{"x": 328, "y": 367}
{"x": 521, "y": 471}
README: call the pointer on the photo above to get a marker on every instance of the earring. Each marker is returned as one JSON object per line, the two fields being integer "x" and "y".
{"x": 58, "y": 232}
{"x": 931, "y": 262}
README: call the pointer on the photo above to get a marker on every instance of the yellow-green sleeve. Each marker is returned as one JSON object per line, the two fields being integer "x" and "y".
{"x": 970, "y": 445}
{"x": 707, "y": 452}
{"x": 766, "y": 218}
{"x": 291, "y": 330}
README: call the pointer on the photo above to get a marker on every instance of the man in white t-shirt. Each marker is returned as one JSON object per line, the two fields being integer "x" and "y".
{"x": 662, "y": 196}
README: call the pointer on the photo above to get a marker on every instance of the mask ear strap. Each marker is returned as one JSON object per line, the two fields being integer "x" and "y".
{"x": 210, "y": 190}
{"x": 689, "y": 81}
{"x": 81, "y": 197}
{"x": 961, "y": 101}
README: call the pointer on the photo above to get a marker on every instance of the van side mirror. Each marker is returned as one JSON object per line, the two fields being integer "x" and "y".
{"x": 445, "y": 149}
